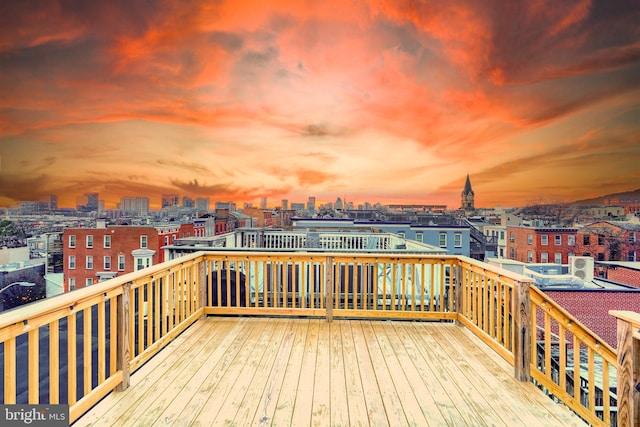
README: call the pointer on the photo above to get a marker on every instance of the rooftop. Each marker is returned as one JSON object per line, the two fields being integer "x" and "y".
{"x": 269, "y": 371}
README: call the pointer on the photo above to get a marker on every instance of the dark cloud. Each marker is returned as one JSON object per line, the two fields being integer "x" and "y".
{"x": 228, "y": 41}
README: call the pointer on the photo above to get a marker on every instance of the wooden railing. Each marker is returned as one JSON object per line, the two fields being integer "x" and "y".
{"x": 571, "y": 363}
{"x": 78, "y": 347}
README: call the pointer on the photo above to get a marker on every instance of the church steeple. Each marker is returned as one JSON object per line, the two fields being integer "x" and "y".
{"x": 467, "y": 195}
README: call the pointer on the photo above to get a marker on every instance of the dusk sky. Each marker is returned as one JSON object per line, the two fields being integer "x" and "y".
{"x": 380, "y": 101}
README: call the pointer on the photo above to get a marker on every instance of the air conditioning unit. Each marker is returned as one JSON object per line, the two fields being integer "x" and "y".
{"x": 581, "y": 267}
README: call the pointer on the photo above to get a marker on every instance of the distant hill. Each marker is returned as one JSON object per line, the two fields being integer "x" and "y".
{"x": 633, "y": 195}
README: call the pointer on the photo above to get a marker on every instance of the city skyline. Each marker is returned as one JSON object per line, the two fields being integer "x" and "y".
{"x": 391, "y": 102}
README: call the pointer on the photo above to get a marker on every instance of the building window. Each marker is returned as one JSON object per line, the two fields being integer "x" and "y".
{"x": 557, "y": 258}
{"x": 632, "y": 237}
{"x": 107, "y": 241}
{"x": 457, "y": 240}
{"x": 529, "y": 256}
{"x": 600, "y": 240}
{"x": 89, "y": 241}
{"x": 120, "y": 262}
{"x": 558, "y": 239}
{"x": 512, "y": 253}
{"x": 143, "y": 241}
{"x": 72, "y": 241}
{"x": 632, "y": 256}
{"x": 544, "y": 240}
{"x": 530, "y": 239}
{"x": 72, "y": 284}
{"x": 166, "y": 240}
{"x": 571, "y": 240}
{"x": 501, "y": 252}
{"x": 107, "y": 262}
{"x": 72, "y": 262}
{"x": 442, "y": 240}
{"x": 586, "y": 239}
{"x": 89, "y": 281}
{"x": 89, "y": 262}
{"x": 419, "y": 237}
{"x": 502, "y": 235}
{"x": 544, "y": 257}
{"x": 512, "y": 236}
{"x": 400, "y": 233}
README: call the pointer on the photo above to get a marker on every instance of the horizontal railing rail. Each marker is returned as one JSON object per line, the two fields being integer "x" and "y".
{"x": 78, "y": 347}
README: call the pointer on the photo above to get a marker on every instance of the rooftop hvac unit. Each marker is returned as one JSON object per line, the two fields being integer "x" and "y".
{"x": 581, "y": 267}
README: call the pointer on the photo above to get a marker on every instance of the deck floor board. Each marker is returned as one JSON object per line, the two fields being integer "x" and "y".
{"x": 291, "y": 372}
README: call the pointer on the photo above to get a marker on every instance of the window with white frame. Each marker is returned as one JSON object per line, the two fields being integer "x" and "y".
{"x": 544, "y": 240}
{"x": 530, "y": 239}
{"x": 166, "y": 240}
{"x": 72, "y": 262}
{"x": 72, "y": 241}
{"x": 442, "y": 240}
{"x": 72, "y": 283}
{"x": 419, "y": 237}
{"x": 544, "y": 257}
{"x": 529, "y": 256}
{"x": 457, "y": 240}
{"x": 120, "y": 262}
{"x": 631, "y": 256}
{"x": 89, "y": 241}
{"x": 571, "y": 240}
{"x": 143, "y": 241}
{"x": 107, "y": 262}
{"x": 401, "y": 234}
{"x": 512, "y": 236}
{"x": 557, "y": 257}
{"x": 89, "y": 281}
{"x": 107, "y": 241}
{"x": 558, "y": 239}
{"x": 89, "y": 262}
{"x": 512, "y": 253}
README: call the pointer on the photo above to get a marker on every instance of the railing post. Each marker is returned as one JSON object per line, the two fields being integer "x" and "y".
{"x": 328, "y": 283}
{"x": 521, "y": 311}
{"x": 202, "y": 285}
{"x": 459, "y": 290}
{"x": 122, "y": 342}
{"x": 628, "y": 391}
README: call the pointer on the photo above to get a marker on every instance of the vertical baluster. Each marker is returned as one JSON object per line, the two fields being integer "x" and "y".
{"x": 71, "y": 358}
{"x": 34, "y": 371}
{"x": 86, "y": 341}
{"x": 102, "y": 338}
{"x": 54, "y": 362}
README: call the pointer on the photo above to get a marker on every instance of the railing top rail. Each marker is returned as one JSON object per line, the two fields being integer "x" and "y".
{"x": 572, "y": 319}
{"x": 495, "y": 269}
{"x": 629, "y": 316}
{"x": 73, "y": 298}
{"x": 323, "y": 253}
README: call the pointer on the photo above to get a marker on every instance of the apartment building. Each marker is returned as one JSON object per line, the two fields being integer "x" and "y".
{"x": 541, "y": 245}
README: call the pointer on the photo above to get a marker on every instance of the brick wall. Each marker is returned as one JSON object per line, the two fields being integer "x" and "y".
{"x": 591, "y": 308}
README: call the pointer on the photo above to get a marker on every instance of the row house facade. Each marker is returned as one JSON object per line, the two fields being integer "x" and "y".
{"x": 541, "y": 245}
{"x": 610, "y": 241}
{"x": 92, "y": 255}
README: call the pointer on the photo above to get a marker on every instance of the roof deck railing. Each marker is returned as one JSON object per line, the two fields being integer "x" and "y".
{"x": 80, "y": 346}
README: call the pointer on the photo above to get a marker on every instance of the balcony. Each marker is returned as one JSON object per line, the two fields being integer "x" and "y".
{"x": 292, "y": 338}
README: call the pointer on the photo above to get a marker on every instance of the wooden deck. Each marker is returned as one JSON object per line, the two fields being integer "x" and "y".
{"x": 299, "y": 372}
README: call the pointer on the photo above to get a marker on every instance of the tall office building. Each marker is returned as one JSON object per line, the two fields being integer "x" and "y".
{"x": 311, "y": 205}
{"x": 263, "y": 203}
{"x": 138, "y": 206}
{"x": 285, "y": 205}
{"x": 170, "y": 200}
{"x": 202, "y": 204}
